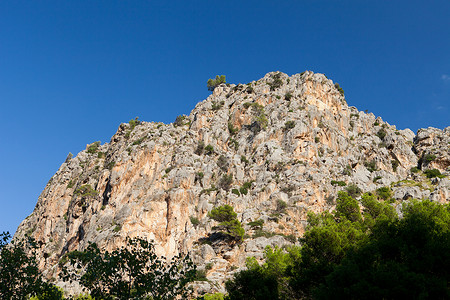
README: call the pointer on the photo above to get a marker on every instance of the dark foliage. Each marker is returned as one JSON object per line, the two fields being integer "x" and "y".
{"x": 131, "y": 272}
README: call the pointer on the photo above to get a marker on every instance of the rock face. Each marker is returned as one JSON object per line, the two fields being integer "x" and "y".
{"x": 286, "y": 138}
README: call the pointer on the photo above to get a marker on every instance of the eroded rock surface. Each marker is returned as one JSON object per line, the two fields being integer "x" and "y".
{"x": 289, "y": 141}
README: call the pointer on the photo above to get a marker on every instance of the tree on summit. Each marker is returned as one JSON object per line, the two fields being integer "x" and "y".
{"x": 213, "y": 83}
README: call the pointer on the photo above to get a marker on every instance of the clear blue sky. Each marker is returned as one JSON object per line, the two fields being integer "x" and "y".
{"x": 72, "y": 71}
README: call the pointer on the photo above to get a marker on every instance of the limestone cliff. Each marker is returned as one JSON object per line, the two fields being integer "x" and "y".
{"x": 289, "y": 138}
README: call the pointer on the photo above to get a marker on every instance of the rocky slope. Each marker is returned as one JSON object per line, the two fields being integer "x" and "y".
{"x": 275, "y": 149}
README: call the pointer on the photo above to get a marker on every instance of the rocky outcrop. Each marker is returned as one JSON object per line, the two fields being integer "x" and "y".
{"x": 273, "y": 149}
{"x": 433, "y": 147}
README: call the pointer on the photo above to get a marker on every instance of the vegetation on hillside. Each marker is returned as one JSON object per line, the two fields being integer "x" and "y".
{"x": 131, "y": 272}
{"x": 354, "y": 254}
{"x": 19, "y": 274}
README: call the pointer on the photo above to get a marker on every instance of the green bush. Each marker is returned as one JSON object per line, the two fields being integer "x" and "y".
{"x": 414, "y": 170}
{"x": 236, "y": 192}
{"x": 217, "y": 105}
{"x": 429, "y": 157}
{"x": 181, "y": 121}
{"x": 225, "y": 182}
{"x": 110, "y": 165}
{"x": 338, "y": 87}
{"x": 216, "y": 296}
{"x": 139, "y": 141}
{"x": 194, "y": 220}
{"x": 213, "y": 83}
{"x": 245, "y": 187}
{"x": 384, "y": 192}
{"x": 433, "y": 173}
{"x": 200, "y": 148}
{"x": 85, "y": 191}
{"x": 233, "y": 143}
{"x": 247, "y": 104}
{"x": 371, "y": 165}
{"x": 381, "y": 133}
{"x": 244, "y": 160}
{"x": 222, "y": 163}
{"x": 289, "y": 125}
{"x": 276, "y": 83}
{"x": 353, "y": 190}
{"x": 338, "y": 183}
{"x": 199, "y": 176}
{"x": 258, "y": 224}
{"x": 281, "y": 206}
{"x": 93, "y": 148}
{"x": 134, "y": 123}
{"x": 259, "y": 115}
{"x": 209, "y": 150}
{"x": 228, "y": 221}
{"x": 395, "y": 164}
{"x": 130, "y": 272}
{"x": 288, "y": 96}
{"x": 231, "y": 129}
{"x": 347, "y": 207}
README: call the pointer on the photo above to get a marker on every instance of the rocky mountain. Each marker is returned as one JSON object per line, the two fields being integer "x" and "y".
{"x": 274, "y": 149}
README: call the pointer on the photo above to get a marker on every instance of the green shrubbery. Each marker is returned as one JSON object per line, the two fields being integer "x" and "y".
{"x": 395, "y": 165}
{"x": 415, "y": 170}
{"x": 131, "y": 272}
{"x": 194, "y": 220}
{"x": 228, "y": 222}
{"x": 353, "y": 190}
{"x": 338, "y": 87}
{"x": 429, "y": 157}
{"x": 349, "y": 254}
{"x": 213, "y": 83}
{"x": 217, "y": 105}
{"x": 289, "y": 125}
{"x": 209, "y": 150}
{"x": 384, "y": 192}
{"x": 259, "y": 115}
{"x": 381, "y": 133}
{"x": 245, "y": 187}
{"x": 276, "y": 83}
{"x": 338, "y": 183}
{"x": 93, "y": 148}
{"x": 85, "y": 191}
{"x": 20, "y": 277}
{"x": 433, "y": 173}
{"x": 258, "y": 224}
{"x": 371, "y": 165}
{"x": 226, "y": 181}
{"x": 288, "y": 96}
{"x": 181, "y": 121}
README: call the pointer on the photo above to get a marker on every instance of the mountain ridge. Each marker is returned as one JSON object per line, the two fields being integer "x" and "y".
{"x": 282, "y": 139}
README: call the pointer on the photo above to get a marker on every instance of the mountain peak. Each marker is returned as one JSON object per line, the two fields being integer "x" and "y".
{"x": 274, "y": 149}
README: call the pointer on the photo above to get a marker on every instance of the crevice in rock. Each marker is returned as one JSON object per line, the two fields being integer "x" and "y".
{"x": 107, "y": 193}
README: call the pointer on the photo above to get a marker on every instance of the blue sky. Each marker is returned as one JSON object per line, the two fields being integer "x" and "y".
{"x": 72, "y": 71}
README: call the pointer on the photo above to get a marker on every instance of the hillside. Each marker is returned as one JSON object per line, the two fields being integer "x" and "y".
{"x": 274, "y": 149}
